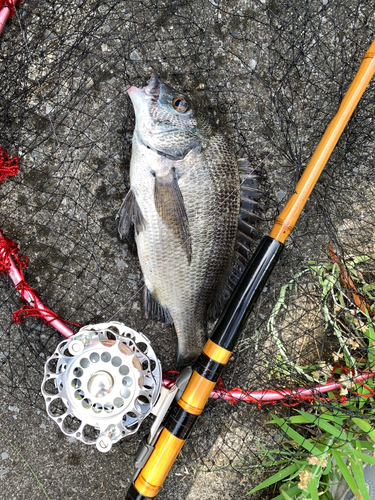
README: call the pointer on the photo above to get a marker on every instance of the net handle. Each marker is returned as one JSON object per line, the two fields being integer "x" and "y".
{"x": 32, "y": 299}
{"x": 217, "y": 351}
{"x": 287, "y": 219}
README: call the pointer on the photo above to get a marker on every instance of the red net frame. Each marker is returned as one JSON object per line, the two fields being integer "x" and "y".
{"x": 7, "y": 8}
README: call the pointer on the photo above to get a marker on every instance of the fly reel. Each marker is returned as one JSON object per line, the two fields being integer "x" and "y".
{"x": 100, "y": 384}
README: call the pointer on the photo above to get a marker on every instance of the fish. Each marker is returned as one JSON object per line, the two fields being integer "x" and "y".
{"x": 184, "y": 202}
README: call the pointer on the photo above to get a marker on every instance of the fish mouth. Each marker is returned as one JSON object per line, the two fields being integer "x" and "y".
{"x": 151, "y": 90}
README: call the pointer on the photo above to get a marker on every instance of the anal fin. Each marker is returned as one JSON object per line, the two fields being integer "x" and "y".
{"x": 154, "y": 310}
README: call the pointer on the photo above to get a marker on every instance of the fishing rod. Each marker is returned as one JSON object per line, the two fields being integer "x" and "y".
{"x": 158, "y": 453}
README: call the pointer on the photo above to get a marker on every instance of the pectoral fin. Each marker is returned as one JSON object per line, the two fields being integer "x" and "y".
{"x": 169, "y": 204}
{"x": 130, "y": 213}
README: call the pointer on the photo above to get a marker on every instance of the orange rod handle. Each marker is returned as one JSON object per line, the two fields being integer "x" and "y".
{"x": 154, "y": 472}
{"x": 152, "y": 476}
{"x": 286, "y": 220}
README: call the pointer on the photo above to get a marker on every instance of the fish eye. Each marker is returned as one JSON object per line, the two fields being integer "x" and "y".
{"x": 180, "y": 104}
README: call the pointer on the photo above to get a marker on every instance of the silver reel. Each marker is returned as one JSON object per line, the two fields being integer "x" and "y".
{"x": 101, "y": 383}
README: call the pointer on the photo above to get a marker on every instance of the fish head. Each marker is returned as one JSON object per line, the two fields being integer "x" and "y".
{"x": 165, "y": 119}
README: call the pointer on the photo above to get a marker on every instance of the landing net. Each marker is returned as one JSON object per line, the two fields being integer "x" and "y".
{"x": 271, "y": 74}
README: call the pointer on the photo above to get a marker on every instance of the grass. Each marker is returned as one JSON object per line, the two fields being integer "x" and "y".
{"x": 308, "y": 466}
{"x": 337, "y": 437}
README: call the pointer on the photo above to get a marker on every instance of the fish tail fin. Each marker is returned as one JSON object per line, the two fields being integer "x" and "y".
{"x": 191, "y": 343}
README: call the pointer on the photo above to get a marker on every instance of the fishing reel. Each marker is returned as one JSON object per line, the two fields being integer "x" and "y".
{"x": 102, "y": 383}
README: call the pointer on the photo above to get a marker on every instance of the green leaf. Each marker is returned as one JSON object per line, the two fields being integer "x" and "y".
{"x": 360, "y": 258}
{"x": 338, "y": 417}
{"x": 330, "y": 429}
{"x": 298, "y": 419}
{"x": 327, "y": 469}
{"x": 366, "y": 445}
{"x": 365, "y": 427}
{"x": 362, "y": 390}
{"x": 296, "y": 437}
{"x": 285, "y": 495}
{"x": 350, "y": 431}
{"x": 357, "y": 469}
{"x": 275, "y": 462}
{"x": 327, "y": 495}
{"x": 331, "y": 395}
{"x": 366, "y": 458}
{"x": 313, "y": 488}
{"x": 370, "y": 334}
{"x": 291, "y": 492}
{"x": 345, "y": 472}
{"x": 275, "y": 478}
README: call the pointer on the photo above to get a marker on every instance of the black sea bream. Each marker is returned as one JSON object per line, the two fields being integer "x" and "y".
{"x": 184, "y": 201}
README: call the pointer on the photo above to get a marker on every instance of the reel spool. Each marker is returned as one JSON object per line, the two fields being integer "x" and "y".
{"x": 100, "y": 384}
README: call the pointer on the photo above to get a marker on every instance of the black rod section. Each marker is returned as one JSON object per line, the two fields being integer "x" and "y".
{"x": 246, "y": 293}
{"x": 133, "y": 494}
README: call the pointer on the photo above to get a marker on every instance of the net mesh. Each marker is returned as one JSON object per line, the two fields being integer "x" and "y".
{"x": 271, "y": 74}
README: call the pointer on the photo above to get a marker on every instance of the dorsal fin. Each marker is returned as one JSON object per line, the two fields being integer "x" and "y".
{"x": 250, "y": 213}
